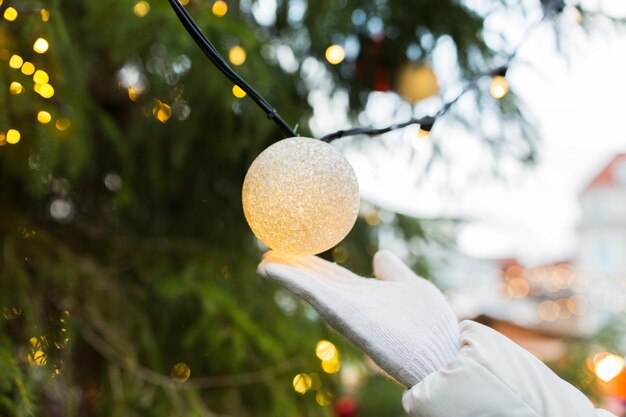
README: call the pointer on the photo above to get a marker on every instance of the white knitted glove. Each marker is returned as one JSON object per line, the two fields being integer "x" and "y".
{"x": 401, "y": 320}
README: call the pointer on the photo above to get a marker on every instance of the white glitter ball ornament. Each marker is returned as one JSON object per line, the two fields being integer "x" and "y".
{"x": 300, "y": 196}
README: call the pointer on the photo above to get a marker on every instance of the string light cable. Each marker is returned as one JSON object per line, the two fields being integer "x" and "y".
{"x": 499, "y": 86}
{"x": 214, "y": 56}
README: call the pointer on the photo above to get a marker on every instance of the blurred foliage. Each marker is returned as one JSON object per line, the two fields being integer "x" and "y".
{"x": 123, "y": 248}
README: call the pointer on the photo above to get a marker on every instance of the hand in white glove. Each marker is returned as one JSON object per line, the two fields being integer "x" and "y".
{"x": 400, "y": 320}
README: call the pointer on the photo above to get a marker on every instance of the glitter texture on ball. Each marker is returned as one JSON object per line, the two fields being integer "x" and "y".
{"x": 300, "y": 196}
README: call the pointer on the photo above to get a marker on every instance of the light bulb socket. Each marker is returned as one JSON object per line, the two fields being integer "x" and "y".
{"x": 500, "y": 71}
{"x": 426, "y": 123}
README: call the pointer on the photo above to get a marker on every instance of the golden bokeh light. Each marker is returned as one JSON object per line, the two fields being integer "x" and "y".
{"x": 238, "y": 92}
{"x": 3, "y": 141}
{"x": 237, "y": 55}
{"x": 300, "y": 196}
{"x": 41, "y": 77}
{"x": 40, "y": 46}
{"x": 44, "y": 117}
{"x": 10, "y": 14}
{"x": 372, "y": 218}
{"x": 44, "y": 14}
{"x": 28, "y": 68}
{"x": 16, "y": 62}
{"x": 323, "y": 398}
{"x": 13, "y": 136}
{"x": 325, "y": 350}
{"x": 335, "y": 54}
{"x": 184, "y": 2}
{"x": 15, "y": 88}
{"x": 180, "y": 372}
{"x": 44, "y": 90}
{"x": 133, "y": 94}
{"x": 607, "y": 366}
{"x": 331, "y": 366}
{"x": 63, "y": 124}
{"x": 220, "y": 8}
{"x": 302, "y": 383}
{"x": 499, "y": 86}
{"x": 37, "y": 358}
{"x": 161, "y": 111}
{"x": 417, "y": 82}
{"x": 141, "y": 8}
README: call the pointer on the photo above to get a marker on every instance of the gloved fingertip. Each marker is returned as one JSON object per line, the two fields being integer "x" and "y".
{"x": 388, "y": 267}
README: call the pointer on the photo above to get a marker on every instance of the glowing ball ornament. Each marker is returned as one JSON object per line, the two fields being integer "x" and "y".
{"x": 300, "y": 196}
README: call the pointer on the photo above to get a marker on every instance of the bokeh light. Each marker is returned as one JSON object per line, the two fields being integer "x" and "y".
{"x": 608, "y": 366}
{"x": 335, "y": 54}
{"x": 16, "y": 62}
{"x": 40, "y": 46}
{"x": 325, "y": 350}
{"x": 44, "y": 90}
{"x": 238, "y": 92}
{"x": 237, "y": 55}
{"x": 44, "y": 117}
{"x": 141, "y": 8}
{"x": 499, "y": 86}
{"x": 16, "y": 88}
{"x": 13, "y": 136}
{"x": 63, "y": 124}
{"x": 28, "y": 68}
{"x": 10, "y": 14}
{"x": 41, "y": 77}
{"x": 44, "y": 14}
{"x": 220, "y": 8}
{"x": 180, "y": 372}
{"x": 302, "y": 383}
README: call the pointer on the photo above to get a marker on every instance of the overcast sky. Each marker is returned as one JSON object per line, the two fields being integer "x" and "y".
{"x": 581, "y": 109}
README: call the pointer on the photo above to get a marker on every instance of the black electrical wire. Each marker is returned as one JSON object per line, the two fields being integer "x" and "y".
{"x": 426, "y": 123}
{"x": 209, "y": 50}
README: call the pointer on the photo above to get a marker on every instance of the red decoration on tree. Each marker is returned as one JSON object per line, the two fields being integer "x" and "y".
{"x": 346, "y": 406}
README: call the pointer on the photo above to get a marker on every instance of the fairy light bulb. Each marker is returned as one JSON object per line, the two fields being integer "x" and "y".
{"x": 300, "y": 196}
{"x": 499, "y": 85}
{"x": 426, "y": 125}
{"x": 335, "y": 54}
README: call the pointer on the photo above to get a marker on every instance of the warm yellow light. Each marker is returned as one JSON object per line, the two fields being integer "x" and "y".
{"x": 219, "y": 8}
{"x": 423, "y": 135}
{"x": 45, "y": 15}
{"x": 238, "y": 92}
{"x": 417, "y": 82}
{"x": 13, "y": 136}
{"x": 323, "y": 398}
{"x": 161, "y": 111}
{"x": 28, "y": 68}
{"x": 141, "y": 8}
{"x": 331, "y": 366}
{"x": 16, "y": 88}
{"x": 44, "y": 117}
{"x": 16, "y": 62}
{"x": 40, "y": 46}
{"x": 237, "y": 55}
{"x": 608, "y": 366}
{"x": 300, "y": 196}
{"x": 41, "y": 77}
{"x": 335, "y": 54}
{"x": 302, "y": 383}
{"x": 3, "y": 142}
{"x": 499, "y": 86}
{"x": 133, "y": 94}
{"x": 37, "y": 358}
{"x": 180, "y": 372}
{"x": 325, "y": 350}
{"x": 63, "y": 124}
{"x": 10, "y": 14}
{"x": 184, "y": 2}
{"x": 44, "y": 90}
